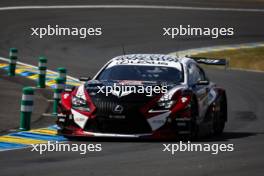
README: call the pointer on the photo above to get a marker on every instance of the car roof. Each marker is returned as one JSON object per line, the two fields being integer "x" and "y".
{"x": 149, "y": 59}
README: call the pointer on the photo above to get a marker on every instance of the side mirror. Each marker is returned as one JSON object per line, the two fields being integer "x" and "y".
{"x": 203, "y": 82}
{"x": 84, "y": 79}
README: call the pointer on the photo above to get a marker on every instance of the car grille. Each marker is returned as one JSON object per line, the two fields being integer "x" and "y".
{"x": 134, "y": 121}
{"x": 104, "y": 107}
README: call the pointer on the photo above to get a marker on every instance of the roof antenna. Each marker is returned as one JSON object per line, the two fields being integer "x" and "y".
{"x": 123, "y": 47}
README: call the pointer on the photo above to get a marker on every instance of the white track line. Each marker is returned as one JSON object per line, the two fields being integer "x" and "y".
{"x": 129, "y": 7}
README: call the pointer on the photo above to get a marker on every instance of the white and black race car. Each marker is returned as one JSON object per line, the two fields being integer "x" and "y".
{"x": 145, "y": 95}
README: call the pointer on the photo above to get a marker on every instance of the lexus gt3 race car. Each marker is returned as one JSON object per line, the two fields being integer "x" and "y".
{"x": 145, "y": 95}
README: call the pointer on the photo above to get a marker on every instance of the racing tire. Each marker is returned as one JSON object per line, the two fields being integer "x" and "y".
{"x": 220, "y": 117}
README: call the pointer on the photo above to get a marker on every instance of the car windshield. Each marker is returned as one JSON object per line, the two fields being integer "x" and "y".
{"x": 142, "y": 73}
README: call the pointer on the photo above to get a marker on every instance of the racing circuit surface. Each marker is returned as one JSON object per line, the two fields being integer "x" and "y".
{"x": 140, "y": 31}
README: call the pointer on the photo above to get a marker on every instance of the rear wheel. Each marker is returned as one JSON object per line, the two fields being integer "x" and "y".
{"x": 220, "y": 117}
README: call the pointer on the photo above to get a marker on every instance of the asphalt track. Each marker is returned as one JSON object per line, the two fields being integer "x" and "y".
{"x": 140, "y": 31}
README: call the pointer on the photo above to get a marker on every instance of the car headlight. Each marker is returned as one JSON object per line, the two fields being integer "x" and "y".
{"x": 166, "y": 104}
{"x": 79, "y": 104}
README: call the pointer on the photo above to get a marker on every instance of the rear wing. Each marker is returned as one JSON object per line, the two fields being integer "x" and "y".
{"x": 211, "y": 61}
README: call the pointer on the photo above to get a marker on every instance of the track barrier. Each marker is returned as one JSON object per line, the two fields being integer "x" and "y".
{"x": 62, "y": 73}
{"x": 59, "y": 87}
{"x": 12, "y": 61}
{"x": 26, "y": 108}
{"x": 42, "y": 66}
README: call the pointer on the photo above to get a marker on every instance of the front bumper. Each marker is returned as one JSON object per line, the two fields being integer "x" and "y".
{"x": 67, "y": 127}
{"x": 180, "y": 126}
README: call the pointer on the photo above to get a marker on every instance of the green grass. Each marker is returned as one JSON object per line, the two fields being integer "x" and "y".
{"x": 252, "y": 58}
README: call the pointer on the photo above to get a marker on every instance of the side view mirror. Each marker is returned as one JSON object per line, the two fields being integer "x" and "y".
{"x": 203, "y": 82}
{"x": 84, "y": 79}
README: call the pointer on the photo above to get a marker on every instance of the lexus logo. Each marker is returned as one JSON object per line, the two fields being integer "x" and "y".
{"x": 118, "y": 109}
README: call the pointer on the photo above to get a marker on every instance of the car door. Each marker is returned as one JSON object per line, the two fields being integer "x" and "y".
{"x": 196, "y": 74}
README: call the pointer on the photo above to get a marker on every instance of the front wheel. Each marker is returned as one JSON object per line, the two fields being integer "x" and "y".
{"x": 193, "y": 126}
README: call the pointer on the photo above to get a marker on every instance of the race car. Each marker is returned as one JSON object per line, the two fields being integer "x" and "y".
{"x": 145, "y": 96}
